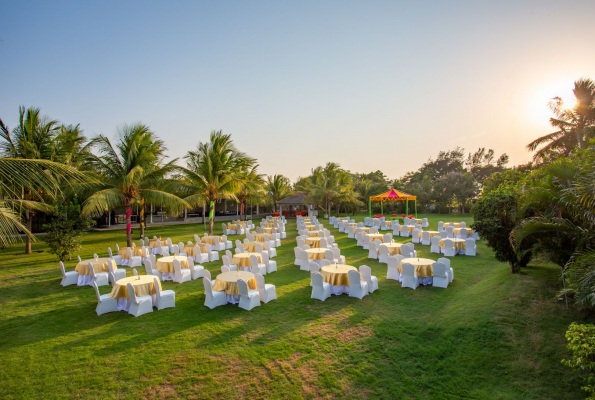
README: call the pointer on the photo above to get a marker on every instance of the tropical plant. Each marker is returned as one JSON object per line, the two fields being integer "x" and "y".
{"x": 129, "y": 172}
{"x": 215, "y": 170}
{"x": 65, "y": 230}
{"x": 581, "y": 342}
{"x": 277, "y": 187}
{"x": 252, "y": 188}
{"x": 574, "y": 126}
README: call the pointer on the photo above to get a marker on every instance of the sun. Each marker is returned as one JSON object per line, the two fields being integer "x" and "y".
{"x": 568, "y": 103}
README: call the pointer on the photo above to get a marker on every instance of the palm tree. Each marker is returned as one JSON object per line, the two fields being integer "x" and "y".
{"x": 252, "y": 188}
{"x": 34, "y": 138}
{"x": 331, "y": 186}
{"x": 130, "y": 172}
{"x": 215, "y": 170}
{"x": 575, "y": 126}
{"x": 277, "y": 188}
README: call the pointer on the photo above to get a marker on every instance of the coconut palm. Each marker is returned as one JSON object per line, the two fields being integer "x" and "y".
{"x": 574, "y": 126}
{"x": 252, "y": 188}
{"x": 131, "y": 171}
{"x": 215, "y": 170}
{"x": 277, "y": 188}
{"x": 331, "y": 185}
{"x": 33, "y": 138}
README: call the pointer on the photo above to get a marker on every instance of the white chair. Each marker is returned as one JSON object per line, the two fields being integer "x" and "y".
{"x": 181, "y": 275}
{"x": 425, "y": 238}
{"x": 329, "y": 255}
{"x": 435, "y": 244}
{"x": 248, "y": 298}
{"x": 315, "y": 268}
{"x": 68, "y": 278}
{"x": 150, "y": 270}
{"x": 338, "y": 256}
{"x": 200, "y": 257}
{"x": 270, "y": 250}
{"x": 424, "y": 223}
{"x": 304, "y": 260}
{"x": 440, "y": 226}
{"x": 405, "y": 231}
{"x": 406, "y": 221}
{"x": 105, "y": 303}
{"x": 463, "y": 225}
{"x": 463, "y": 233}
{"x": 443, "y": 234}
{"x": 296, "y": 253}
{"x": 415, "y": 236}
{"x": 226, "y": 262}
{"x": 134, "y": 272}
{"x": 133, "y": 261}
{"x": 470, "y": 247}
{"x": 164, "y": 298}
{"x": 408, "y": 251}
{"x": 257, "y": 268}
{"x": 163, "y": 248}
{"x": 366, "y": 275}
{"x": 373, "y": 252}
{"x": 409, "y": 278}
{"x": 224, "y": 269}
{"x": 387, "y": 237}
{"x": 212, "y": 298}
{"x": 450, "y": 271}
{"x": 196, "y": 271}
{"x": 181, "y": 249}
{"x": 357, "y": 287}
{"x": 383, "y": 254}
{"x": 213, "y": 255}
{"x": 366, "y": 242}
{"x": 320, "y": 289}
{"x": 449, "y": 249}
{"x": 139, "y": 305}
{"x": 449, "y": 232}
{"x": 440, "y": 276}
{"x": 271, "y": 266}
{"x": 100, "y": 278}
{"x": 396, "y": 228}
{"x": 225, "y": 231}
{"x": 266, "y": 292}
{"x": 117, "y": 258}
{"x": 360, "y": 238}
{"x": 196, "y": 238}
{"x": 228, "y": 244}
{"x": 393, "y": 268}
{"x": 172, "y": 248}
{"x": 115, "y": 273}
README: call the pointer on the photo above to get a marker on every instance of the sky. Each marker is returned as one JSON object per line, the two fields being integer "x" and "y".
{"x": 371, "y": 85}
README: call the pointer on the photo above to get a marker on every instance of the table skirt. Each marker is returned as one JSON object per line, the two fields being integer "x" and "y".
{"x": 422, "y": 281}
{"x": 462, "y": 251}
{"x": 339, "y": 290}
{"x": 124, "y": 303}
{"x": 85, "y": 280}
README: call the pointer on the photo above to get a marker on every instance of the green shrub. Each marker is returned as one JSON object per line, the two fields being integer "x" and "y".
{"x": 581, "y": 340}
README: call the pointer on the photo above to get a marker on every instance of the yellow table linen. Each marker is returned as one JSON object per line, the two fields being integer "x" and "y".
{"x": 432, "y": 233}
{"x": 458, "y": 244}
{"x": 166, "y": 264}
{"x": 365, "y": 230}
{"x": 259, "y": 237}
{"x": 251, "y": 246}
{"x": 145, "y": 286}
{"x": 189, "y": 249}
{"x": 374, "y": 236}
{"x": 316, "y": 234}
{"x": 394, "y": 248}
{"x": 270, "y": 224}
{"x": 313, "y": 242}
{"x": 423, "y": 266}
{"x": 243, "y": 259}
{"x": 228, "y": 281}
{"x": 310, "y": 227}
{"x": 136, "y": 251}
{"x": 98, "y": 266}
{"x": 389, "y": 223}
{"x": 316, "y": 254}
{"x": 338, "y": 276}
{"x": 454, "y": 225}
{"x": 270, "y": 231}
{"x": 153, "y": 243}
{"x": 353, "y": 224}
{"x": 232, "y": 227}
{"x": 211, "y": 239}
{"x": 410, "y": 228}
{"x": 418, "y": 221}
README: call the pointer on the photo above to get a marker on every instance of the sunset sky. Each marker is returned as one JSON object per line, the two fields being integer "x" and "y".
{"x": 368, "y": 84}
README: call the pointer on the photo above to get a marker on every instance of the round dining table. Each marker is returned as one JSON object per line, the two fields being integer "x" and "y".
{"x": 259, "y": 237}
{"x": 144, "y": 285}
{"x": 310, "y": 227}
{"x": 363, "y": 229}
{"x": 453, "y": 224}
{"x": 165, "y": 265}
{"x": 423, "y": 269}
{"x": 376, "y": 236}
{"x": 251, "y": 246}
{"x": 337, "y": 275}
{"x": 313, "y": 242}
{"x": 242, "y": 260}
{"x": 228, "y": 282}
{"x": 393, "y": 248}
{"x": 316, "y": 254}
{"x": 410, "y": 228}
{"x": 432, "y": 234}
{"x": 459, "y": 244}
{"x": 82, "y": 268}
{"x": 316, "y": 234}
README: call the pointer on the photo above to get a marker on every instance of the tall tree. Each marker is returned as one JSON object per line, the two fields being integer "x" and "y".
{"x": 574, "y": 126}
{"x": 215, "y": 170}
{"x": 128, "y": 171}
{"x": 252, "y": 188}
{"x": 277, "y": 188}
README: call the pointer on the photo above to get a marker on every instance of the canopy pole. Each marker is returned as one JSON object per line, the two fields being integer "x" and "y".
{"x": 415, "y": 208}
{"x": 370, "y": 207}
{"x": 407, "y": 207}
{"x": 381, "y": 208}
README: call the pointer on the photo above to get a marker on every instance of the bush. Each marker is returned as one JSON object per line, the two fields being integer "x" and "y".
{"x": 581, "y": 340}
{"x": 65, "y": 230}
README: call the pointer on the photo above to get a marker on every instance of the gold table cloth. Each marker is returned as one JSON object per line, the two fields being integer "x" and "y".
{"x": 313, "y": 242}
{"x": 166, "y": 264}
{"x": 251, "y": 246}
{"x": 338, "y": 276}
{"x": 432, "y": 234}
{"x": 232, "y": 227}
{"x": 211, "y": 239}
{"x": 353, "y": 224}
{"x": 243, "y": 259}
{"x": 310, "y": 227}
{"x": 270, "y": 224}
{"x": 454, "y": 225}
{"x": 410, "y": 228}
{"x": 145, "y": 286}
{"x": 270, "y": 231}
{"x": 316, "y": 234}
{"x": 228, "y": 282}
{"x": 457, "y": 231}
{"x": 365, "y": 230}
{"x": 259, "y": 237}
{"x": 153, "y": 243}
{"x": 458, "y": 244}
{"x": 98, "y": 266}
{"x": 374, "y": 236}
{"x": 136, "y": 251}
{"x": 423, "y": 266}
{"x": 393, "y": 248}
{"x": 316, "y": 254}
{"x": 418, "y": 220}
{"x": 389, "y": 223}
{"x": 189, "y": 249}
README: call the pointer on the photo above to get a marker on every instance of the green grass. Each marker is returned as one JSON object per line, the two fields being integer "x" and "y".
{"x": 489, "y": 335}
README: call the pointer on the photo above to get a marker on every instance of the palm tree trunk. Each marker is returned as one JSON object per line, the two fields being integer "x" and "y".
{"x": 128, "y": 224}
{"x": 29, "y": 220}
{"x": 212, "y": 219}
{"x": 142, "y": 218}
{"x": 203, "y": 213}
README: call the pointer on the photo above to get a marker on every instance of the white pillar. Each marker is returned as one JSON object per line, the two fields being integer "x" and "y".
{"x": 257, "y": 209}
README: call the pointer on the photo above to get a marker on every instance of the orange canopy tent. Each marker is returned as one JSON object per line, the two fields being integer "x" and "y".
{"x": 393, "y": 195}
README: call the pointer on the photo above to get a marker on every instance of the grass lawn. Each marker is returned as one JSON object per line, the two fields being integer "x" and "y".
{"x": 491, "y": 334}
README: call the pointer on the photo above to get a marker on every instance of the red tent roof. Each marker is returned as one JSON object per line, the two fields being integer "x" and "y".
{"x": 393, "y": 195}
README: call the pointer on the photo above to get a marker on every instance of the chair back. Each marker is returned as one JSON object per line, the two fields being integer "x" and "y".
{"x": 439, "y": 269}
{"x": 62, "y": 269}
{"x": 317, "y": 279}
{"x": 243, "y": 287}
{"x": 92, "y": 271}
{"x": 415, "y": 233}
{"x": 196, "y": 239}
{"x": 408, "y": 269}
{"x": 313, "y": 267}
{"x": 259, "y": 280}
{"x": 109, "y": 251}
{"x": 393, "y": 261}
{"x": 169, "y": 243}
{"x": 325, "y": 262}
{"x": 336, "y": 252}
{"x": 224, "y": 269}
{"x": 131, "y": 293}
{"x": 190, "y": 262}
{"x": 259, "y": 248}
{"x": 365, "y": 273}
{"x": 196, "y": 250}
{"x": 399, "y": 258}
{"x": 323, "y": 242}
{"x": 225, "y": 260}
{"x": 229, "y": 256}
{"x": 463, "y": 225}
{"x": 387, "y": 237}
{"x": 463, "y": 233}
{"x": 206, "y": 274}
{"x": 469, "y": 242}
{"x": 444, "y": 261}
{"x": 148, "y": 266}
{"x": 383, "y": 250}
{"x": 153, "y": 259}
{"x": 443, "y": 234}
{"x": 354, "y": 279}
{"x": 177, "y": 268}
{"x": 303, "y": 255}
{"x": 254, "y": 262}
{"x": 134, "y": 272}
{"x": 111, "y": 265}
{"x": 267, "y": 246}
{"x": 181, "y": 247}
{"x": 117, "y": 249}
{"x": 448, "y": 244}
{"x": 435, "y": 240}
{"x": 329, "y": 255}
{"x": 372, "y": 246}
{"x": 425, "y": 235}
{"x": 265, "y": 258}
{"x": 366, "y": 239}
{"x": 97, "y": 292}
{"x": 240, "y": 247}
